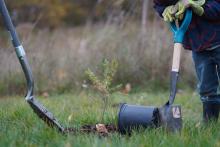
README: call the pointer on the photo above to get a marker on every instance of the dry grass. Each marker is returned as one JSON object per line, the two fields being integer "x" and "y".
{"x": 59, "y": 58}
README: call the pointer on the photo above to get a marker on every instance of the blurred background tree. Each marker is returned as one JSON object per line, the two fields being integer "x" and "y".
{"x": 54, "y": 13}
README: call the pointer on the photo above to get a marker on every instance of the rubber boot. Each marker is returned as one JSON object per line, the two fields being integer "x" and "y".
{"x": 210, "y": 112}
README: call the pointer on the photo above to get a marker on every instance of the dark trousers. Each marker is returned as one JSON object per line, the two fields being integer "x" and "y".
{"x": 207, "y": 65}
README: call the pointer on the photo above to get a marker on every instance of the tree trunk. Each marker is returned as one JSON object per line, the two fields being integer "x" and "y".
{"x": 144, "y": 15}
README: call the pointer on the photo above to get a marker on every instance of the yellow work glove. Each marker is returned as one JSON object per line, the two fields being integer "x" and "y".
{"x": 169, "y": 13}
{"x": 196, "y": 6}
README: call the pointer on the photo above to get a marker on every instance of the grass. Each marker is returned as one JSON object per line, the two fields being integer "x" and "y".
{"x": 19, "y": 126}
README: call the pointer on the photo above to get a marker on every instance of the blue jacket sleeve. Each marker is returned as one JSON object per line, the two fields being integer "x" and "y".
{"x": 160, "y": 5}
{"x": 212, "y": 10}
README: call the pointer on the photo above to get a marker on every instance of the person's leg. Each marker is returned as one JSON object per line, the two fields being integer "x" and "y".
{"x": 216, "y": 106}
{"x": 216, "y": 55}
{"x": 207, "y": 83}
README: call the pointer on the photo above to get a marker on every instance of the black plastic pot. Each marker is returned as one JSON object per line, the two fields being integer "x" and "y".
{"x": 135, "y": 117}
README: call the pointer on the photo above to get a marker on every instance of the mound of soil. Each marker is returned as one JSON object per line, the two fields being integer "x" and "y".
{"x": 99, "y": 129}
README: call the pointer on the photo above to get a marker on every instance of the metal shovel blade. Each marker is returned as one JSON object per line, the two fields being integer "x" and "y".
{"x": 45, "y": 115}
{"x": 171, "y": 117}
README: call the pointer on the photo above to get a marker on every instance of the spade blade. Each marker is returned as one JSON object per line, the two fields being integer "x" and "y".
{"x": 171, "y": 117}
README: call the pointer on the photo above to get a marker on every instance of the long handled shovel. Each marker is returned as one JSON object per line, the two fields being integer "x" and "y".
{"x": 170, "y": 114}
{"x": 38, "y": 108}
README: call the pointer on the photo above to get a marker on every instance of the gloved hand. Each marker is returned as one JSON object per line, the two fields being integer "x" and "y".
{"x": 176, "y": 12}
{"x": 169, "y": 13}
{"x": 196, "y": 6}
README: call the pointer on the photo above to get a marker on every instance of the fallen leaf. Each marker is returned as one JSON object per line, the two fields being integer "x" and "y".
{"x": 198, "y": 125}
{"x": 101, "y": 128}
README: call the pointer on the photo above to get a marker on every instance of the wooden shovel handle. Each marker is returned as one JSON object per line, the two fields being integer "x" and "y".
{"x": 176, "y": 57}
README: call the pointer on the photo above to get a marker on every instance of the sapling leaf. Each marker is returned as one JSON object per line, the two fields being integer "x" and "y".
{"x": 103, "y": 83}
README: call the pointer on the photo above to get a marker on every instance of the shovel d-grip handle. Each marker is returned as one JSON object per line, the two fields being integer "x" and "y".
{"x": 178, "y": 33}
